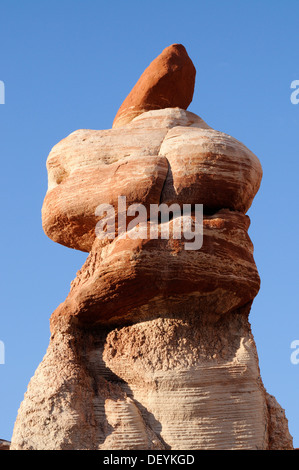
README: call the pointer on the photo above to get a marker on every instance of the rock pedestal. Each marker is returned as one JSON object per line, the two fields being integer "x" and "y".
{"x": 152, "y": 348}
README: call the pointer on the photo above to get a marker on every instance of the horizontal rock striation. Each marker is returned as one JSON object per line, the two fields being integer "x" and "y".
{"x": 128, "y": 276}
{"x": 152, "y": 348}
{"x": 4, "y": 445}
{"x": 170, "y": 156}
{"x": 168, "y": 82}
{"x": 182, "y": 381}
{"x": 211, "y": 167}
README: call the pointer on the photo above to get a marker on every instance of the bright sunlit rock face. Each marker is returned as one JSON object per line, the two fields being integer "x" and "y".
{"x": 168, "y": 156}
{"x": 152, "y": 348}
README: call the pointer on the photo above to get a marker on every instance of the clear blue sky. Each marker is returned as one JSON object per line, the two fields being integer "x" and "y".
{"x": 68, "y": 65}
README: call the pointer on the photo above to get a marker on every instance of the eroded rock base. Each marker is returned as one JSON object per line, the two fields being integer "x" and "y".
{"x": 183, "y": 381}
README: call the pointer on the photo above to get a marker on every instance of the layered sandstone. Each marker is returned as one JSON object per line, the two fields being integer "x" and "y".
{"x": 152, "y": 348}
{"x": 168, "y": 82}
{"x": 128, "y": 277}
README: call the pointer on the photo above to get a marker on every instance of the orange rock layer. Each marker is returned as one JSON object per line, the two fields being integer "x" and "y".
{"x": 152, "y": 349}
{"x": 168, "y": 82}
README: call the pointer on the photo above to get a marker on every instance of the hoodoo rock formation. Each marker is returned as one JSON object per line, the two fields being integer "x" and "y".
{"x": 152, "y": 348}
{"x": 167, "y": 83}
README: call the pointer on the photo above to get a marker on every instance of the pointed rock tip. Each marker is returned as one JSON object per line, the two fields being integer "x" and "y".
{"x": 168, "y": 82}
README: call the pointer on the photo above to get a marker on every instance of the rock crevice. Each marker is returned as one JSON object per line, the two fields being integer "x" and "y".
{"x": 152, "y": 348}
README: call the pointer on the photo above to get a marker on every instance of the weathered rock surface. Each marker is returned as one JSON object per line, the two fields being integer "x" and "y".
{"x": 152, "y": 348}
{"x": 98, "y": 166}
{"x": 211, "y": 167}
{"x": 168, "y": 82}
{"x": 4, "y": 445}
{"x": 168, "y": 156}
{"x": 279, "y": 435}
{"x": 180, "y": 381}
